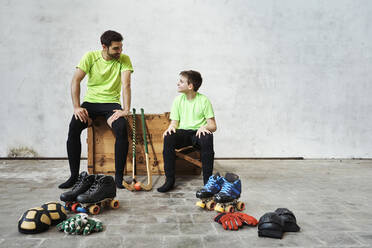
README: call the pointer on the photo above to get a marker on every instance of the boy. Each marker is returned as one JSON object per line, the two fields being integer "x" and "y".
{"x": 192, "y": 123}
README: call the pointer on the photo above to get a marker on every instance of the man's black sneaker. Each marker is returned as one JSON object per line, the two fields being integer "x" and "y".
{"x": 83, "y": 183}
{"x": 102, "y": 188}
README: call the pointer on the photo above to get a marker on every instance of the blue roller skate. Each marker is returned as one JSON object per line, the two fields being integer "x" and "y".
{"x": 227, "y": 198}
{"x": 212, "y": 187}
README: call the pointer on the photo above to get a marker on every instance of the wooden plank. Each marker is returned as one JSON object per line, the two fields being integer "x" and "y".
{"x": 90, "y": 143}
{"x": 190, "y": 159}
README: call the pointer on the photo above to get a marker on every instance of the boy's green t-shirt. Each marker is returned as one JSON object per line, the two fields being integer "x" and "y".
{"x": 191, "y": 114}
{"x": 104, "y": 77}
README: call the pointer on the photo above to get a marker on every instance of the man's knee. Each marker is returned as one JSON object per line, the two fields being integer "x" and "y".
{"x": 119, "y": 127}
{"x": 76, "y": 126}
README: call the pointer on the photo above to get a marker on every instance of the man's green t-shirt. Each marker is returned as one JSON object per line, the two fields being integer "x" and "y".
{"x": 191, "y": 114}
{"x": 104, "y": 77}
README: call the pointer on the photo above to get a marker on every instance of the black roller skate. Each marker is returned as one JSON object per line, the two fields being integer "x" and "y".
{"x": 227, "y": 198}
{"x": 100, "y": 194}
{"x": 83, "y": 183}
{"x": 212, "y": 187}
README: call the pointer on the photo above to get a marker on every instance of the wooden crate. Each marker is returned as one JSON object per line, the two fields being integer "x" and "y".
{"x": 101, "y": 146}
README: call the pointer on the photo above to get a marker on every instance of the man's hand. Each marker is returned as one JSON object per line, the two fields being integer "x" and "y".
{"x": 82, "y": 114}
{"x": 169, "y": 131}
{"x": 202, "y": 130}
{"x": 117, "y": 114}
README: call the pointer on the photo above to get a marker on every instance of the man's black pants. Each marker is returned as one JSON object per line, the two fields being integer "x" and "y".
{"x": 119, "y": 127}
{"x": 184, "y": 138}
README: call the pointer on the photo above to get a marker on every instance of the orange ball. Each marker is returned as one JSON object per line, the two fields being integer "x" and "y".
{"x": 137, "y": 186}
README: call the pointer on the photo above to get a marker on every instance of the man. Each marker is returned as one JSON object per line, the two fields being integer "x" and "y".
{"x": 109, "y": 73}
{"x": 192, "y": 123}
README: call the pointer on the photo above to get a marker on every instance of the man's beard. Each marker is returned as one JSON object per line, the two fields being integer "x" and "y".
{"x": 114, "y": 55}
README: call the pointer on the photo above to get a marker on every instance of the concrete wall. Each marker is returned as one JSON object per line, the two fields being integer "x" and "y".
{"x": 286, "y": 78}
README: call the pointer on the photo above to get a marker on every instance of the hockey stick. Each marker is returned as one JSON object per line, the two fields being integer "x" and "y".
{"x": 125, "y": 184}
{"x": 134, "y": 147}
{"x": 139, "y": 185}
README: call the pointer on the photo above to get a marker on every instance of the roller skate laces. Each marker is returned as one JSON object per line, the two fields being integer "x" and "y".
{"x": 230, "y": 192}
{"x": 231, "y": 188}
{"x": 212, "y": 187}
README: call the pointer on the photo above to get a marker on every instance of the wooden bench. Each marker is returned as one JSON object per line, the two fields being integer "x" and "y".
{"x": 190, "y": 154}
{"x": 101, "y": 145}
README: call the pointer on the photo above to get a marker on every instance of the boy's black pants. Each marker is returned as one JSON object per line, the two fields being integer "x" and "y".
{"x": 119, "y": 127}
{"x": 184, "y": 138}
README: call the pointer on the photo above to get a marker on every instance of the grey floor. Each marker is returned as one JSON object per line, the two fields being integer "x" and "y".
{"x": 330, "y": 198}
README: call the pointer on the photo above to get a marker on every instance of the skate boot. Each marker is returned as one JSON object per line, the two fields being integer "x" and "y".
{"x": 82, "y": 184}
{"x": 227, "y": 198}
{"x": 212, "y": 187}
{"x": 101, "y": 193}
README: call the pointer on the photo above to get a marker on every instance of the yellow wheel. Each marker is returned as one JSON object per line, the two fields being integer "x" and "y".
{"x": 229, "y": 209}
{"x": 94, "y": 209}
{"x": 114, "y": 204}
{"x": 200, "y": 204}
{"x": 240, "y": 206}
{"x": 219, "y": 208}
{"x": 211, "y": 204}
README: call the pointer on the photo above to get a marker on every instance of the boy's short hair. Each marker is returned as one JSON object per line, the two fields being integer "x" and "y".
{"x": 193, "y": 77}
{"x": 110, "y": 36}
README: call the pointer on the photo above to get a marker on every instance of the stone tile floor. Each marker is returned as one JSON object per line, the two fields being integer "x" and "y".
{"x": 331, "y": 199}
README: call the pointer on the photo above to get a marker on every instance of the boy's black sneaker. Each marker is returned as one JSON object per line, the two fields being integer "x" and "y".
{"x": 168, "y": 185}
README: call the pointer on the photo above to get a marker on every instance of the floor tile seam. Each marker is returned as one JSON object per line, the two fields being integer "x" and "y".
{"x": 193, "y": 235}
{"x": 162, "y": 241}
{"x": 359, "y": 239}
{"x": 144, "y": 233}
{"x": 118, "y": 233}
{"x": 203, "y": 242}
{"x": 361, "y": 223}
{"x": 41, "y": 241}
{"x": 322, "y": 242}
{"x": 344, "y": 234}
{"x": 308, "y": 234}
{"x": 110, "y": 237}
{"x": 30, "y": 237}
{"x": 340, "y": 223}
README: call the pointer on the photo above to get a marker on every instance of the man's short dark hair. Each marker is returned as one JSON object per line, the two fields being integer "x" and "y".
{"x": 193, "y": 77}
{"x": 110, "y": 36}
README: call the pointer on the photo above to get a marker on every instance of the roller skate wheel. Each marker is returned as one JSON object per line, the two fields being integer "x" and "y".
{"x": 68, "y": 205}
{"x": 81, "y": 210}
{"x": 114, "y": 204}
{"x": 200, "y": 204}
{"x": 94, "y": 209}
{"x": 219, "y": 208}
{"x": 210, "y": 205}
{"x": 74, "y": 207}
{"x": 229, "y": 209}
{"x": 240, "y": 206}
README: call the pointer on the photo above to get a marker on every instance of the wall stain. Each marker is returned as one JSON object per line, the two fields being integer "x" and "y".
{"x": 22, "y": 152}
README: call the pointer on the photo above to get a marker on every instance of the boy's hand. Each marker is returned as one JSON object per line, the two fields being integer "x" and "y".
{"x": 169, "y": 131}
{"x": 202, "y": 130}
{"x": 118, "y": 113}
